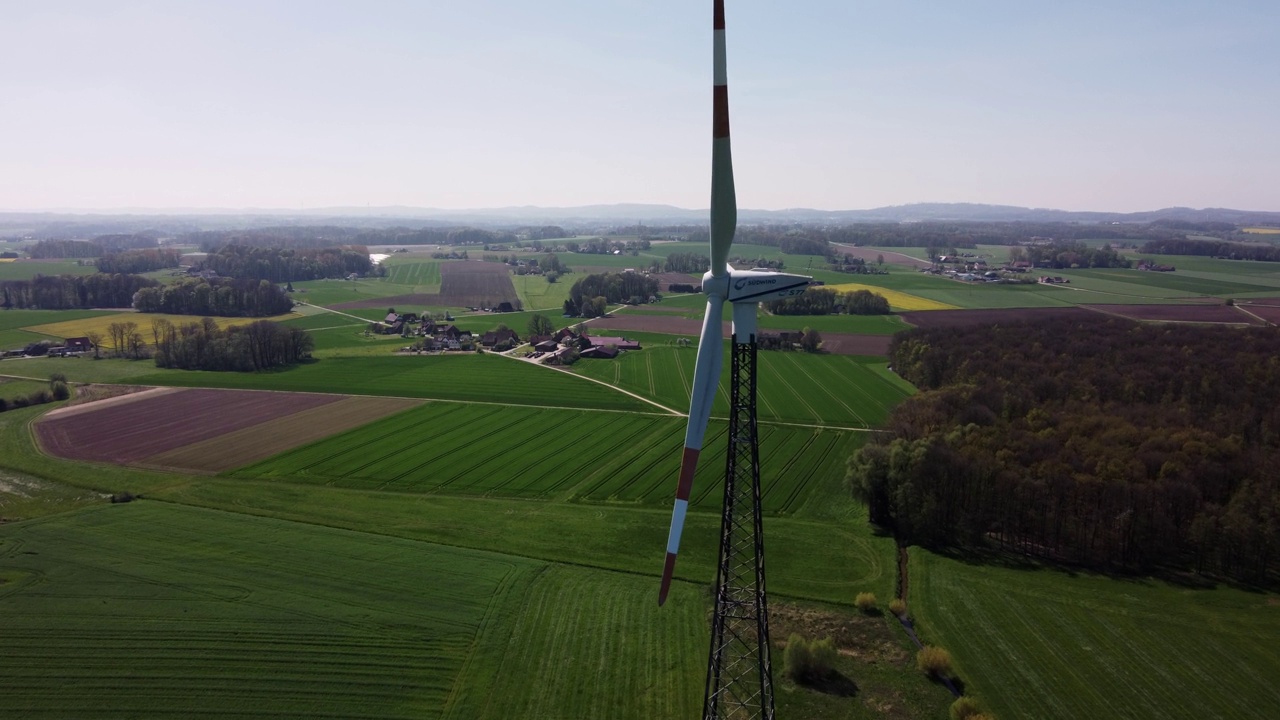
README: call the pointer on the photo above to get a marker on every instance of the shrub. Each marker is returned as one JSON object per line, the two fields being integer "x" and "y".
{"x": 933, "y": 661}
{"x": 964, "y": 708}
{"x": 40, "y": 397}
{"x": 807, "y": 661}
{"x": 798, "y": 658}
{"x": 824, "y": 657}
{"x": 898, "y": 607}
{"x": 865, "y": 601}
{"x": 4, "y": 404}
{"x": 60, "y": 390}
{"x": 57, "y": 377}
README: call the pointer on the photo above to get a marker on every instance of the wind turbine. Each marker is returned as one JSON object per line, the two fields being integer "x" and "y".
{"x": 739, "y": 676}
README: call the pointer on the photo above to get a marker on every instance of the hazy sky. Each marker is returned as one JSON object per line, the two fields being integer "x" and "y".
{"x": 835, "y": 104}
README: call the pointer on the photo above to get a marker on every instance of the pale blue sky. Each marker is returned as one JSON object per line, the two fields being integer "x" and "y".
{"x": 1116, "y": 106}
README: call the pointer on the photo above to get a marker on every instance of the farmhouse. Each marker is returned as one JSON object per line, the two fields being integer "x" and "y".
{"x": 600, "y": 352}
{"x": 615, "y": 342}
{"x": 500, "y": 339}
{"x": 78, "y": 344}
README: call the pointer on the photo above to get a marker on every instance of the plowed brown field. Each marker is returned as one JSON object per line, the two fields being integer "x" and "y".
{"x": 127, "y": 432}
{"x": 1218, "y": 313}
{"x": 966, "y": 318}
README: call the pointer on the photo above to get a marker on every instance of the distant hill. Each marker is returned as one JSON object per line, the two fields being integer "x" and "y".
{"x": 586, "y": 217}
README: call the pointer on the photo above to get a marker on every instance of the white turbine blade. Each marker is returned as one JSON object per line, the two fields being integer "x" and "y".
{"x": 706, "y": 379}
{"x": 724, "y": 202}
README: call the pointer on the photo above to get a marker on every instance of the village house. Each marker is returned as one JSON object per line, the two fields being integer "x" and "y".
{"x": 500, "y": 339}
{"x": 614, "y": 342}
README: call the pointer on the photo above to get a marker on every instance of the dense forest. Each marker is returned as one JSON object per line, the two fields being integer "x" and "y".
{"x": 588, "y": 296}
{"x": 138, "y": 261}
{"x": 68, "y": 292}
{"x": 260, "y": 345}
{"x": 819, "y": 301}
{"x": 1214, "y": 248}
{"x": 224, "y": 297}
{"x": 280, "y": 264}
{"x": 1102, "y": 442}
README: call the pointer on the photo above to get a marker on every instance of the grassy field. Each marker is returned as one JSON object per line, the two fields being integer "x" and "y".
{"x": 538, "y": 294}
{"x": 28, "y": 270}
{"x": 1048, "y": 644}
{"x": 464, "y": 376}
{"x": 837, "y": 390}
{"x": 564, "y": 455}
{"x": 10, "y": 388}
{"x": 595, "y": 645}
{"x": 153, "y": 609}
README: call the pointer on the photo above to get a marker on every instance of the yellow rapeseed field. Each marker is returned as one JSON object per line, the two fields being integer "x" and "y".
{"x": 81, "y": 328}
{"x": 897, "y": 300}
{"x": 1263, "y": 230}
{"x": 7, "y": 259}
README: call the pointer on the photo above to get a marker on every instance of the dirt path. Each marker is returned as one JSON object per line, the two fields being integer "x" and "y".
{"x": 904, "y": 586}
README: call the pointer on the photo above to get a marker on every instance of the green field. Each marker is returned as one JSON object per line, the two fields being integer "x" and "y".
{"x": 405, "y": 276}
{"x": 1049, "y": 644}
{"x": 11, "y": 388}
{"x": 836, "y": 390}
{"x": 538, "y": 294}
{"x": 151, "y": 609}
{"x": 28, "y": 270}
{"x": 563, "y": 455}
{"x": 464, "y": 376}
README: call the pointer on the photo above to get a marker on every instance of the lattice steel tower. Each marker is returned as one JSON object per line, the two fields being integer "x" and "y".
{"x": 739, "y": 672}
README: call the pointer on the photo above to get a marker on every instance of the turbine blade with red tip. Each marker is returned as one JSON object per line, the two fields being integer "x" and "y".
{"x": 724, "y": 201}
{"x": 706, "y": 380}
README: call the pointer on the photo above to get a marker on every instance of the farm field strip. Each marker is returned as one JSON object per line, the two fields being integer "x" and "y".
{"x": 418, "y": 276}
{"x": 465, "y": 377}
{"x": 132, "y": 431}
{"x": 1039, "y": 643}
{"x": 258, "y": 443}
{"x": 154, "y": 609}
{"x": 531, "y": 453}
{"x": 833, "y": 390}
{"x": 365, "y": 441}
{"x": 1172, "y": 284}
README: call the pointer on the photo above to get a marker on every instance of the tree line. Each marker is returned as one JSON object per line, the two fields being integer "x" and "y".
{"x": 1067, "y": 254}
{"x": 1214, "y": 248}
{"x": 1107, "y": 443}
{"x": 225, "y": 297}
{"x": 280, "y": 264}
{"x": 820, "y": 301}
{"x": 100, "y": 245}
{"x": 69, "y": 292}
{"x": 138, "y": 261}
{"x": 260, "y": 345}
{"x": 589, "y": 295}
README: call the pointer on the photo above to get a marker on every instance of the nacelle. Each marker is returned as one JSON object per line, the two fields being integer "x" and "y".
{"x": 754, "y": 285}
